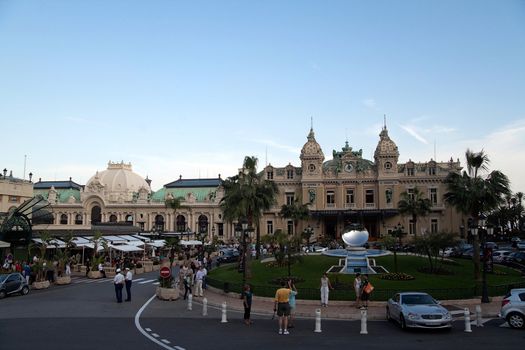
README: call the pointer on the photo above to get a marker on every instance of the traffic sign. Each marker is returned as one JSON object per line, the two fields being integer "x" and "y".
{"x": 165, "y": 272}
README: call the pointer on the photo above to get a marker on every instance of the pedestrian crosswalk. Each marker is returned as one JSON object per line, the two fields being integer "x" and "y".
{"x": 85, "y": 280}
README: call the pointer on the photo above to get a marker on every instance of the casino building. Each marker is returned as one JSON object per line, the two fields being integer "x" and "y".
{"x": 344, "y": 189}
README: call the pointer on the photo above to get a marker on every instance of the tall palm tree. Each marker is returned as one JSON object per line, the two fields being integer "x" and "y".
{"x": 415, "y": 205}
{"x": 248, "y": 194}
{"x": 473, "y": 194}
{"x": 174, "y": 203}
{"x": 295, "y": 211}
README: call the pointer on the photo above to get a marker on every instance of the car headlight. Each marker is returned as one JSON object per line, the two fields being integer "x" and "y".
{"x": 413, "y": 316}
{"x": 447, "y": 316}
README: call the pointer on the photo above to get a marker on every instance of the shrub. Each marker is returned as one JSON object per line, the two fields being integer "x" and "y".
{"x": 396, "y": 277}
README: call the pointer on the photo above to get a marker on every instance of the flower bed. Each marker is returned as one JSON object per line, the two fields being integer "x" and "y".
{"x": 396, "y": 277}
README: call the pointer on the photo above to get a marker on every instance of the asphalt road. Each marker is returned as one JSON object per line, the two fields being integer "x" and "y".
{"x": 85, "y": 315}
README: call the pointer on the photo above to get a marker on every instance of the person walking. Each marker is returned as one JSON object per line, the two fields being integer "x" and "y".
{"x": 247, "y": 303}
{"x": 282, "y": 306}
{"x": 325, "y": 288}
{"x": 199, "y": 279}
{"x": 187, "y": 281}
{"x": 118, "y": 281}
{"x": 366, "y": 290}
{"x": 291, "y": 301}
{"x": 128, "y": 280}
{"x": 357, "y": 289}
{"x": 101, "y": 270}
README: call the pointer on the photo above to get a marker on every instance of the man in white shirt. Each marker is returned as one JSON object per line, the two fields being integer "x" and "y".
{"x": 199, "y": 277}
{"x": 129, "y": 278}
{"x": 118, "y": 281}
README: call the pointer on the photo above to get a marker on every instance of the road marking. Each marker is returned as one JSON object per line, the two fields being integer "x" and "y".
{"x": 138, "y": 279}
{"x": 155, "y": 335}
{"x": 156, "y": 283}
{"x": 103, "y": 281}
{"x": 141, "y": 330}
{"x": 165, "y": 341}
{"x": 148, "y": 329}
{"x": 147, "y": 281}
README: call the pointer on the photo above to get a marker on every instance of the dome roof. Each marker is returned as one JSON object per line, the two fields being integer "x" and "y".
{"x": 385, "y": 146}
{"x": 119, "y": 178}
{"x": 311, "y": 147}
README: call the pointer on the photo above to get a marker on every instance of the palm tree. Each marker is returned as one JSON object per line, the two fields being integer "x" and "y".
{"x": 175, "y": 204}
{"x": 473, "y": 195}
{"x": 414, "y": 204}
{"x": 247, "y": 195}
{"x": 296, "y": 212}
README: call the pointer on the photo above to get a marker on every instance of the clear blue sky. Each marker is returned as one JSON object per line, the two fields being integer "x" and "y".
{"x": 191, "y": 87}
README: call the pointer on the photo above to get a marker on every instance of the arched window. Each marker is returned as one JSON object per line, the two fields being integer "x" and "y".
{"x": 63, "y": 219}
{"x": 203, "y": 224}
{"x": 129, "y": 218}
{"x": 78, "y": 219}
{"x": 96, "y": 215}
{"x": 180, "y": 223}
{"x": 112, "y": 218}
{"x": 159, "y": 223}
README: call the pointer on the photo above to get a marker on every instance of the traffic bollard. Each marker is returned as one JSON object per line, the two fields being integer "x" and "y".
{"x": 317, "y": 321}
{"x": 224, "y": 320}
{"x": 363, "y": 322}
{"x": 479, "y": 321}
{"x": 204, "y": 307}
{"x": 468, "y": 329}
{"x": 190, "y": 302}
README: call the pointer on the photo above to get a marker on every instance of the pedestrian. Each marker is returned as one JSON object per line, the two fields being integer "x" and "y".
{"x": 199, "y": 279}
{"x": 247, "y": 303}
{"x": 357, "y": 289}
{"x": 325, "y": 287}
{"x": 128, "y": 280}
{"x": 27, "y": 272}
{"x": 291, "y": 301}
{"x": 101, "y": 270}
{"x": 282, "y": 306}
{"x": 68, "y": 268}
{"x": 118, "y": 281}
{"x": 187, "y": 281}
{"x": 366, "y": 290}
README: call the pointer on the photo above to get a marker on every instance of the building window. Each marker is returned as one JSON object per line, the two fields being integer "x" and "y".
{"x": 350, "y": 196}
{"x": 203, "y": 224}
{"x": 311, "y": 167}
{"x": 141, "y": 225}
{"x": 63, "y": 219}
{"x": 432, "y": 171}
{"x": 433, "y": 196}
{"x": 129, "y": 218}
{"x": 13, "y": 199}
{"x": 220, "y": 228}
{"x": 330, "y": 198}
{"x": 269, "y": 175}
{"x": 411, "y": 227}
{"x": 434, "y": 226}
{"x": 159, "y": 223}
{"x": 181, "y": 223}
{"x": 290, "y": 197}
{"x": 78, "y": 219}
{"x": 388, "y": 166}
{"x": 112, "y": 218}
{"x": 269, "y": 227}
{"x": 388, "y": 196}
{"x": 369, "y": 196}
{"x": 410, "y": 193}
{"x": 410, "y": 171}
{"x": 289, "y": 225}
{"x": 289, "y": 174}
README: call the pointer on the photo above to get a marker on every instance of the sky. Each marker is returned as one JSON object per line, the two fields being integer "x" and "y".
{"x": 192, "y": 87}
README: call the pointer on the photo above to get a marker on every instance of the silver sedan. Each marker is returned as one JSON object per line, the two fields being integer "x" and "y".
{"x": 417, "y": 310}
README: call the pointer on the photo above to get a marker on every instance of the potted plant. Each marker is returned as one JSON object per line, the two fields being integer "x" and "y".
{"x": 63, "y": 258}
{"x": 167, "y": 290}
{"x": 40, "y": 266}
{"x": 138, "y": 268}
{"x": 96, "y": 260}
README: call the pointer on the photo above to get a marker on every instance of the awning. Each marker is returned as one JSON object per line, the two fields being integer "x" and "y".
{"x": 54, "y": 243}
{"x": 4, "y": 244}
{"x": 158, "y": 243}
{"x": 191, "y": 242}
{"x": 126, "y": 248}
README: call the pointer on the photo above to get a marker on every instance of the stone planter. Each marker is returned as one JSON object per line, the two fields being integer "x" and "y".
{"x": 139, "y": 270}
{"x": 83, "y": 269}
{"x": 40, "y": 285}
{"x": 147, "y": 265}
{"x": 156, "y": 267}
{"x": 63, "y": 280}
{"x": 167, "y": 293}
{"x": 94, "y": 274}
{"x": 110, "y": 271}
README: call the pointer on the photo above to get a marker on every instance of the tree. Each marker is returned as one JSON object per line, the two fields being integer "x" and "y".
{"x": 414, "y": 204}
{"x": 174, "y": 203}
{"x": 431, "y": 244}
{"x": 285, "y": 249}
{"x": 248, "y": 194}
{"x": 173, "y": 244}
{"x": 295, "y": 211}
{"x": 474, "y": 194}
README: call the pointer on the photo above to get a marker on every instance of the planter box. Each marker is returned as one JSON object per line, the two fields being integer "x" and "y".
{"x": 139, "y": 270}
{"x": 94, "y": 274}
{"x": 156, "y": 267}
{"x": 167, "y": 293}
{"x": 63, "y": 280}
{"x": 40, "y": 285}
{"x": 83, "y": 269}
{"x": 110, "y": 271}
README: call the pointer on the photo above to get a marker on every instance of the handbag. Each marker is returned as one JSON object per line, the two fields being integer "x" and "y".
{"x": 369, "y": 288}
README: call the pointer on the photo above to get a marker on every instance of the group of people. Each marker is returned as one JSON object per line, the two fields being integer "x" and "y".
{"x": 120, "y": 280}
{"x": 194, "y": 275}
{"x": 363, "y": 288}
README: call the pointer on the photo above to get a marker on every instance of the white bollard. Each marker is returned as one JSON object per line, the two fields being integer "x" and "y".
{"x": 479, "y": 321}
{"x": 224, "y": 320}
{"x": 317, "y": 321}
{"x": 363, "y": 322}
{"x": 468, "y": 329}
{"x": 190, "y": 302}
{"x": 204, "y": 307}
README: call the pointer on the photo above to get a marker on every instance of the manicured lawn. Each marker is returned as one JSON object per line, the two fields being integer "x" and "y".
{"x": 459, "y": 284}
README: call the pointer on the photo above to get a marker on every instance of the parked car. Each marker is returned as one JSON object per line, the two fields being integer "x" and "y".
{"x": 490, "y": 245}
{"x": 515, "y": 239}
{"x": 12, "y": 283}
{"x": 521, "y": 245}
{"x": 516, "y": 257}
{"x": 513, "y": 308}
{"x": 316, "y": 249}
{"x": 498, "y": 256}
{"x": 447, "y": 252}
{"x": 417, "y": 310}
{"x": 228, "y": 255}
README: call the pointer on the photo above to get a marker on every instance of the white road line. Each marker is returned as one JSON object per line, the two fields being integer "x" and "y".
{"x": 148, "y": 329}
{"x": 147, "y": 281}
{"x": 103, "y": 281}
{"x": 165, "y": 341}
{"x": 141, "y": 330}
{"x": 155, "y": 335}
{"x": 156, "y": 283}
{"x": 138, "y": 279}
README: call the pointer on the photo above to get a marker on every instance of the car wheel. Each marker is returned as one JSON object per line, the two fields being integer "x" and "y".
{"x": 402, "y": 322}
{"x": 2, "y": 294}
{"x": 24, "y": 290}
{"x": 516, "y": 320}
{"x": 388, "y": 318}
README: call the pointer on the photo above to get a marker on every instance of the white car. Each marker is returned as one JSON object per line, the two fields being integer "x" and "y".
{"x": 447, "y": 252}
{"x": 317, "y": 249}
{"x": 499, "y": 256}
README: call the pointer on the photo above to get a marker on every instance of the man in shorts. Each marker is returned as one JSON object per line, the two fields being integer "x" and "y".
{"x": 282, "y": 306}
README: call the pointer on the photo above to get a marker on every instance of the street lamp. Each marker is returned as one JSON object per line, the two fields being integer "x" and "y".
{"x": 188, "y": 232}
{"x": 488, "y": 231}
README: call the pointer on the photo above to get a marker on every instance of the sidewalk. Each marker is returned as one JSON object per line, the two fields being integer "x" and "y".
{"x": 338, "y": 310}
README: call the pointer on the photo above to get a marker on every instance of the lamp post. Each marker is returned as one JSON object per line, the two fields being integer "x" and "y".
{"x": 244, "y": 226}
{"x": 188, "y": 232}
{"x": 488, "y": 231}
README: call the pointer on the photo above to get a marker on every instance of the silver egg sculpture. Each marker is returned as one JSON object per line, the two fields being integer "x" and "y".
{"x": 355, "y": 238}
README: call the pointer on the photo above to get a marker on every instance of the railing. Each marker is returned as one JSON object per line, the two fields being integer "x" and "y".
{"x": 349, "y": 205}
{"x": 345, "y": 291}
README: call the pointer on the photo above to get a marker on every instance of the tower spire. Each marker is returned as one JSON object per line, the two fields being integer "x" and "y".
{"x": 311, "y": 122}
{"x": 384, "y": 121}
